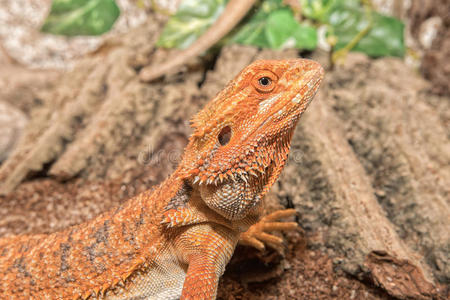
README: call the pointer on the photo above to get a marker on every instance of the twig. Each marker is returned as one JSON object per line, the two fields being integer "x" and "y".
{"x": 233, "y": 13}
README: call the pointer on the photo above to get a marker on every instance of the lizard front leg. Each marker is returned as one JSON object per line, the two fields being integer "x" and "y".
{"x": 257, "y": 235}
{"x": 206, "y": 248}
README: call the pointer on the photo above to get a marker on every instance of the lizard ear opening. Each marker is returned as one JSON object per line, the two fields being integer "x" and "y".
{"x": 224, "y": 135}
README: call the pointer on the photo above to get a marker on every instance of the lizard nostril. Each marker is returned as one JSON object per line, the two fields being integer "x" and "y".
{"x": 224, "y": 135}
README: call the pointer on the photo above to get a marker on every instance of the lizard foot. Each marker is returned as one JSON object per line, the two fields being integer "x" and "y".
{"x": 257, "y": 236}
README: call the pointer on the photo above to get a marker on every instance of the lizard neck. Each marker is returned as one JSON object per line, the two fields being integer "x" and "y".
{"x": 189, "y": 207}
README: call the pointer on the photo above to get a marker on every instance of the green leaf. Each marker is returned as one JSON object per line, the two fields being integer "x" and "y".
{"x": 280, "y": 27}
{"x": 274, "y": 26}
{"x": 347, "y": 19}
{"x": 283, "y": 31}
{"x": 81, "y": 17}
{"x": 190, "y": 21}
{"x": 305, "y": 37}
{"x": 316, "y": 9}
{"x": 252, "y": 32}
{"x": 385, "y": 37}
{"x": 319, "y": 10}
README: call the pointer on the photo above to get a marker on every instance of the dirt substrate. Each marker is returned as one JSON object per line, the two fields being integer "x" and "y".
{"x": 368, "y": 170}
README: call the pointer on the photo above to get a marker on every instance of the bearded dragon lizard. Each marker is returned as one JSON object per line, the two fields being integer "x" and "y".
{"x": 176, "y": 240}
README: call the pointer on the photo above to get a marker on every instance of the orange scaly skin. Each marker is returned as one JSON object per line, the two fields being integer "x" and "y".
{"x": 176, "y": 240}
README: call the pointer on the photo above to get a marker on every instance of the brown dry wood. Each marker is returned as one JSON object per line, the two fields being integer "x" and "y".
{"x": 32, "y": 156}
{"x": 361, "y": 231}
{"x": 404, "y": 146}
{"x": 23, "y": 87}
{"x": 97, "y": 83}
{"x": 12, "y": 122}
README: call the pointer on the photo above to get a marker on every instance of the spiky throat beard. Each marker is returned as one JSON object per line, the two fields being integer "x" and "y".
{"x": 241, "y": 190}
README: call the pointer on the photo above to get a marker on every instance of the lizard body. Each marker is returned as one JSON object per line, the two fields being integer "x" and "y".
{"x": 176, "y": 240}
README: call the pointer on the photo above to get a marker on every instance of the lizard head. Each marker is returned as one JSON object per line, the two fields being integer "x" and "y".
{"x": 241, "y": 138}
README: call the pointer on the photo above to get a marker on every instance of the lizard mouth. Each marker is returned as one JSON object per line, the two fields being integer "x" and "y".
{"x": 301, "y": 82}
{"x": 287, "y": 112}
{"x": 309, "y": 84}
{"x": 283, "y": 111}
{"x": 296, "y": 103}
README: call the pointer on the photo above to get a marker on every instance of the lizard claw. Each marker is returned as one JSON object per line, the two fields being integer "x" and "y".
{"x": 257, "y": 236}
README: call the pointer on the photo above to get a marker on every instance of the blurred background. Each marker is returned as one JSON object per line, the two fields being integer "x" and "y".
{"x": 83, "y": 128}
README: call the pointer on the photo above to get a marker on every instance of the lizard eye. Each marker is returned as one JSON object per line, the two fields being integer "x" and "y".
{"x": 265, "y": 81}
{"x": 224, "y": 135}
